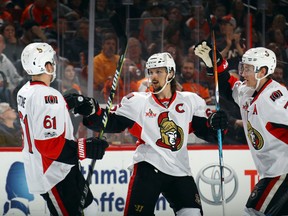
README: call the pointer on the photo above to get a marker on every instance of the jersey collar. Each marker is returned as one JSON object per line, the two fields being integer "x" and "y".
{"x": 256, "y": 94}
{"x": 37, "y": 83}
{"x": 160, "y": 102}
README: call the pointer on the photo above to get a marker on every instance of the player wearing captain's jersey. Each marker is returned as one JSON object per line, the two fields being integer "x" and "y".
{"x": 51, "y": 153}
{"x": 263, "y": 103}
{"x": 161, "y": 120}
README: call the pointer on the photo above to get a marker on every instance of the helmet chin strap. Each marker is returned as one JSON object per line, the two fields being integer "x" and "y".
{"x": 53, "y": 74}
{"x": 258, "y": 80}
{"x": 167, "y": 81}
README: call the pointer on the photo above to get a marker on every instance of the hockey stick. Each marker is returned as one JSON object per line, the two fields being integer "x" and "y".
{"x": 219, "y": 133}
{"x": 114, "y": 19}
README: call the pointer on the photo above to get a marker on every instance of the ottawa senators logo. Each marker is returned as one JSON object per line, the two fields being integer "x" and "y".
{"x": 171, "y": 134}
{"x": 255, "y": 137}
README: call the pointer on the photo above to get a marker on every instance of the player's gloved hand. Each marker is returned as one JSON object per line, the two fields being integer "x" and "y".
{"x": 218, "y": 120}
{"x": 93, "y": 148}
{"x": 87, "y": 107}
{"x": 204, "y": 51}
{"x": 73, "y": 100}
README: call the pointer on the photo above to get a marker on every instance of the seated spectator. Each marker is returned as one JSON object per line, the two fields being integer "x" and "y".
{"x": 176, "y": 53}
{"x": 172, "y": 36}
{"x": 134, "y": 53}
{"x": 70, "y": 79}
{"x": 61, "y": 61}
{"x": 39, "y": 12}
{"x": 7, "y": 67}
{"x": 5, "y": 16}
{"x": 80, "y": 7}
{"x": 182, "y": 34}
{"x": 278, "y": 74}
{"x": 187, "y": 80}
{"x": 102, "y": 15}
{"x": 13, "y": 48}
{"x": 105, "y": 63}
{"x": 69, "y": 84}
{"x": 127, "y": 82}
{"x": 79, "y": 42}
{"x": 10, "y": 131}
{"x": 229, "y": 41}
{"x": 62, "y": 10}
{"x": 152, "y": 28}
{"x": 282, "y": 57}
{"x": 5, "y": 93}
{"x": 31, "y": 33}
{"x": 198, "y": 22}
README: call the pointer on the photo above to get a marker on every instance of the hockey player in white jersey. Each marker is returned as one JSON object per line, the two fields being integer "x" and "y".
{"x": 161, "y": 120}
{"x": 263, "y": 103}
{"x": 51, "y": 153}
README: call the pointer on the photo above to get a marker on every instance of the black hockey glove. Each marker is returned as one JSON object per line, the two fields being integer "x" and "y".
{"x": 73, "y": 100}
{"x": 204, "y": 51}
{"x": 218, "y": 120}
{"x": 93, "y": 148}
{"x": 87, "y": 107}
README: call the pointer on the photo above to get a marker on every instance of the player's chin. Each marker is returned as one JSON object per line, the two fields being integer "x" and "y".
{"x": 156, "y": 89}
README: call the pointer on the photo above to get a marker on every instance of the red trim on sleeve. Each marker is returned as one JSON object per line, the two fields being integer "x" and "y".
{"x": 51, "y": 148}
{"x": 99, "y": 111}
{"x": 279, "y": 133}
{"x": 136, "y": 130}
{"x": 191, "y": 129}
{"x": 223, "y": 66}
{"x": 232, "y": 80}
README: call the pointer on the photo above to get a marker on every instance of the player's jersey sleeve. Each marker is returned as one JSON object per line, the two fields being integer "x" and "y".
{"x": 199, "y": 125}
{"x": 226, "y": 84}
{"x": 121, "y": 116}
{"x": 276, "y": 105}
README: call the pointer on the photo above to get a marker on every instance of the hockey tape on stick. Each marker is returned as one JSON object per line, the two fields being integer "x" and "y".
{"x": 115, "y": 20}
{"x": 219, "y": 134}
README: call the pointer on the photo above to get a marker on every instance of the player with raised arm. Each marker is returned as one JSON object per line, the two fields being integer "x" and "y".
{"x": 161, "y": 120}
{"x": 263, "y": 103}
{"x": 51, "y": 153}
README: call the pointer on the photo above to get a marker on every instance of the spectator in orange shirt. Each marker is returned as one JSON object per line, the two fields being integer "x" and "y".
{"x": 105, "y": 62}
{"x": 39, "y": 12}
{"x": 188, "y": 83}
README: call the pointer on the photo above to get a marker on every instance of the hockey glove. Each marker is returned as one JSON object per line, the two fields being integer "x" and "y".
{"x": 218, "y": 120}
{"x": 93, "y": 148}
{"x": 87, "y": 107}
{"x": 73, "y": 100}
{"x": 204, "y": 51}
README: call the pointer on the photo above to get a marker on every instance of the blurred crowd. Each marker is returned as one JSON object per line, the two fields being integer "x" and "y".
{"x": 152, "y": 26}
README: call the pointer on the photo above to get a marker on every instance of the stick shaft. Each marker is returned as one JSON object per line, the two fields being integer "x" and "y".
{"x": 219, "y": 133}
{"x": 123, "y": 39}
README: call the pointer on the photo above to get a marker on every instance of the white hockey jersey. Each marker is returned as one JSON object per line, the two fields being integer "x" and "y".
{"x": 163, "y": 130}
{"x": 265, "y": 120}
{"x": 45, "y": 124}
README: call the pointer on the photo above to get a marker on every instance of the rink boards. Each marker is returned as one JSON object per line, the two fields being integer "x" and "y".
{"x": 111, "y": 177}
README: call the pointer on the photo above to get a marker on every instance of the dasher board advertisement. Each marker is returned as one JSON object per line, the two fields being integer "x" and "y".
{"x": 111, "y": 177}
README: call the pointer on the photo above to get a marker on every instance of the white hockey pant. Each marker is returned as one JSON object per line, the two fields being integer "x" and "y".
{"x": 188, "y": 212}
